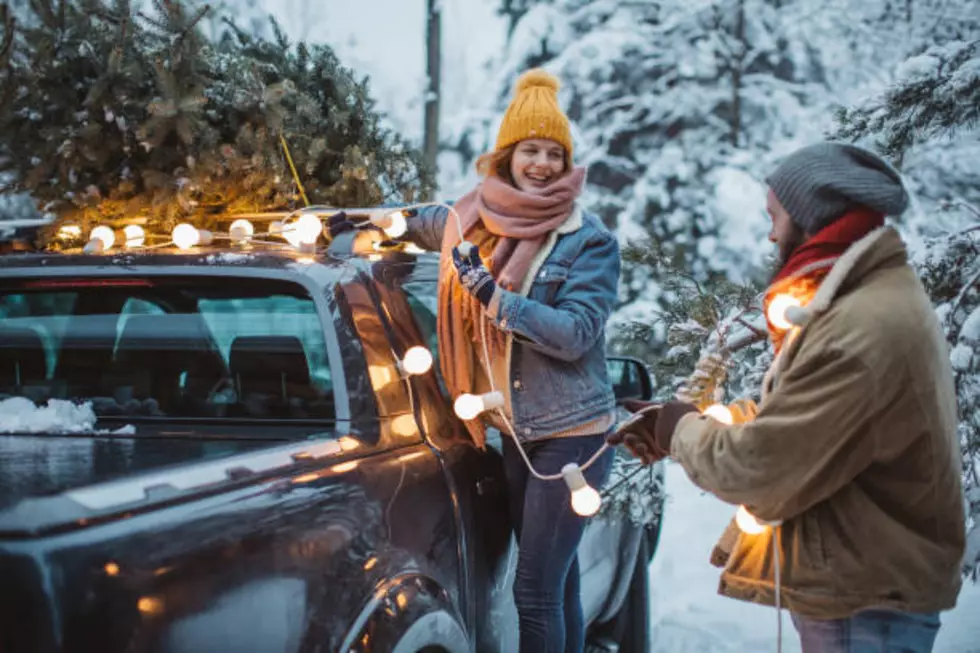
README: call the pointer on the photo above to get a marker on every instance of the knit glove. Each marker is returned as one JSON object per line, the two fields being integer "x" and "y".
{"x": 649, "y": 432}
{"x": 474, "y": 276}
{"x": 339, "y": 223}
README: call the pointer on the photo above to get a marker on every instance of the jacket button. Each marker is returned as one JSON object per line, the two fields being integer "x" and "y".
{"x": 503, "y": 323}
{"x": 517, "y": 384}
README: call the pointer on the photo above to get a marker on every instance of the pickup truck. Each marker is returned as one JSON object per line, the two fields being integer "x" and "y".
{"x": 245, "y": 466}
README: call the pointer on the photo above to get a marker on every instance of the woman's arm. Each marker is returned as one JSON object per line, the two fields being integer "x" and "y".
{"x": 576, "y": 319}
{"x": 426, "y": 226}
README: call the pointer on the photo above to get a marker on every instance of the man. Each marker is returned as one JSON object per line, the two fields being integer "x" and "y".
{"x": 852, "y": 458}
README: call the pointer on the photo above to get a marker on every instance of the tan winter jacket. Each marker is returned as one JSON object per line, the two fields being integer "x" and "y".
{"x": 854, "y": 448}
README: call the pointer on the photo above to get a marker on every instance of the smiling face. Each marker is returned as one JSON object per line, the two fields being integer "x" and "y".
{"x": 537, "y": 163}
{"x": 784, "y": 233}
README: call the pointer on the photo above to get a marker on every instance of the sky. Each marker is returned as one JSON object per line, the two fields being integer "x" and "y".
{"x": 385, "y": 39}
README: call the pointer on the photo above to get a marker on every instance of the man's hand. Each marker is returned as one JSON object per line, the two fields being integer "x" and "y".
{"x": 474, "y": 276}
{"x": 648, "y": 433}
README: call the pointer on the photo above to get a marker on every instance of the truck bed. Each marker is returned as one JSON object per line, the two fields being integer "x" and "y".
{"x": 36, "y": 466}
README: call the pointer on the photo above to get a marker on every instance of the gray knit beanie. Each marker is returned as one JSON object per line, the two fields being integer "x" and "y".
{"x": 820, "y": 183}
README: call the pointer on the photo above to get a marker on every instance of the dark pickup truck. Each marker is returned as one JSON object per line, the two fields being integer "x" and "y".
{"x": 244, "y": 466}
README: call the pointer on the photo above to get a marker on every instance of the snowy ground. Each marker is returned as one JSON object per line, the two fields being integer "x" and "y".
{"x": 688, "y": 615}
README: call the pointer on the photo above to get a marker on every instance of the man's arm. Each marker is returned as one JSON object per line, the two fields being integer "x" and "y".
{"x": 814, "y": 435}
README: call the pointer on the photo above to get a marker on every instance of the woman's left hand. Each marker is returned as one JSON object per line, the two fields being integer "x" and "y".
{"x": 474, "y": 276}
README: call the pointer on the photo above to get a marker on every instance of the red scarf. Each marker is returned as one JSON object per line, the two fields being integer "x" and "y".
{"x": 807, "y": 266}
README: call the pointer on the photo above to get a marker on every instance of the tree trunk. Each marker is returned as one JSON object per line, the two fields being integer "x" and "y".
{"x": 737, "y": 63}
{"x": 433, "y": 67}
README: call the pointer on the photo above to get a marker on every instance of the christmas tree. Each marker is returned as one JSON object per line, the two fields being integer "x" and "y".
{"x": 111, "y": 113}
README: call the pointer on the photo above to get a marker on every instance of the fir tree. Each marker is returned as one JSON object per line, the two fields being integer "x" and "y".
{"x": 108, "y": 112}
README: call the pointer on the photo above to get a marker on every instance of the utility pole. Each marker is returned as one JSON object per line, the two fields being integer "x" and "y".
{"x": 433, "y": 68}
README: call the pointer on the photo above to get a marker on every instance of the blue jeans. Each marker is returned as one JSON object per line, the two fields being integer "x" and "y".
{"x": 546, "y": 588}
{"x": 869, "y": 631}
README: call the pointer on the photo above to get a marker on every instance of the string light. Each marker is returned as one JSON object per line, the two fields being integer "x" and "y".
{"x": 135, "y": 236}
{"x": 418, "y": 360}
{"x": 308, "y": 229}
{"x": 779, "y": 310}
{"x": 241, "y": 231}
{"x": 394, "y": 224}
{"x": 100, "y": 239}
{"x": 69, "y": 232}
{"x": 469, "y": 406}
{"x": 750, "y": 524}
{"x": 585, "y": 500}
{"x": 186, "y": 236}
{"x": 720, "y": 413}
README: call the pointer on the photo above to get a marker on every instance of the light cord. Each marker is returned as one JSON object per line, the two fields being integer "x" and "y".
{"x": 776, "y": 541}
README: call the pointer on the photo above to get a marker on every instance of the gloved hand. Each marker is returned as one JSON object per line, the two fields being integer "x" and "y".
{"x": 474, "y": 276}
{"x": 338, "y": 223}
{"x": 648, "y": 433}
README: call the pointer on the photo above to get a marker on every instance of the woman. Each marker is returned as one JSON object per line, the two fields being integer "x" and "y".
{"x": 540, "y": 303}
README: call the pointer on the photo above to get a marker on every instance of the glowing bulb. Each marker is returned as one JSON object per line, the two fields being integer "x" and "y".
{"x": 468, "y": 406}
{"x": 778, "y": 308}
{"x": 418, "y": 360}
{"x": 308, "y": 229}
{"x": 135, "y": 236}
{"x": 111, "y": 569}
{"x": 585, "y": 500}
{"x": 185, "y": 236}
{"x": 105, "y": 235}
{"x": 393, "y": 224}
{"x": 241, "y": 231}
{"x": 69, "y": 232}
{"x": 720, "y": 413}
{"x": 747, "y": 522}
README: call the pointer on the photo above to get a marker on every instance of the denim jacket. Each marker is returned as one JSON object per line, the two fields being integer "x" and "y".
{"x": 557, "y": 367}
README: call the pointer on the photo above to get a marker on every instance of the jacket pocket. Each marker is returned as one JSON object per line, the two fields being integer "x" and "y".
{"x": 812, "y": 541}
{"x": 547, "y": 282}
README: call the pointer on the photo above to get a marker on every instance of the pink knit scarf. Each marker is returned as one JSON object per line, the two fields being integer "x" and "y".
{"x": 509, "y": 226}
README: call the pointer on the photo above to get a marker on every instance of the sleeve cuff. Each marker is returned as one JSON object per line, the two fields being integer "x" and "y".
{"x": 503, "y": 309}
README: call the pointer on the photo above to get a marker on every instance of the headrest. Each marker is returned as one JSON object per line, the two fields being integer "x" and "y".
{"x": 22, "y": 357}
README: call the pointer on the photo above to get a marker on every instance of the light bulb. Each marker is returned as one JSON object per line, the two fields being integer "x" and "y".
{"x": 747, "y": 522}
{"x": 393, "y": 224}
{"x": 720, "y": 413}
{"x": 308, "y": 228}
{"x": 585, "y": 500}
{"x": 241, "y": 231}
{"x": 185, "y": 236}
{"x": 135, "y": 236}
{"x": 778, "y": 308}
{"x": 105, "y": 235}
{"x": 469, "y": 406}
{"x": 69, "y": 232}
{"x": 418, "y": 360}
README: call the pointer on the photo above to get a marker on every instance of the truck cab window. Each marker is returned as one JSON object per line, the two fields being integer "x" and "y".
{"x": 168, "y": 347}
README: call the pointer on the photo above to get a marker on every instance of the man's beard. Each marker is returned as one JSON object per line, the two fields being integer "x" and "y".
{"x": 787, "y": 249}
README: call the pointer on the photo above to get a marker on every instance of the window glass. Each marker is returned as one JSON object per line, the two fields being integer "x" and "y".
{"x": 167, "y": 347}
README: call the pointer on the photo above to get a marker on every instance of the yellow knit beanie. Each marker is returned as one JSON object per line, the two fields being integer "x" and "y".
{"x": 534, "y": 112}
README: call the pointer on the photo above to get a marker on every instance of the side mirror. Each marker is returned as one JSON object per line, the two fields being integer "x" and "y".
{"x": 630, "y": 378}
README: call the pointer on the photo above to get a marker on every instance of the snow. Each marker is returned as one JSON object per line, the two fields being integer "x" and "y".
{"x": 687, "y": 614}
{"x": 21, "y": 415}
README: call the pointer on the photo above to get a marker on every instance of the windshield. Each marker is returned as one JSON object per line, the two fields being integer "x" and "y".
{"x": 174, "y": 347}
